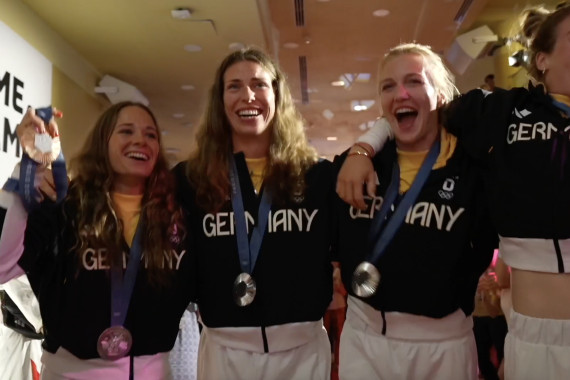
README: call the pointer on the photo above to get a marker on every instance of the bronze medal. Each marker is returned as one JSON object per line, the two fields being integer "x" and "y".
{"x": 41, "y": 148}
{"x": 114, "y": 343}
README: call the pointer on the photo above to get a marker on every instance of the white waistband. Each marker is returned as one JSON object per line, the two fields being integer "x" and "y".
{"x": 362, "y": 316}
{"x": 278, "y": 338}
{"x": 553, "y": 332}
{"x": 535, "y": 254}
{"x": 64, "y": 365}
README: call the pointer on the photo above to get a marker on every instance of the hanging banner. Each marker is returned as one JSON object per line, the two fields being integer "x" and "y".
{"x": 25, "y": 80}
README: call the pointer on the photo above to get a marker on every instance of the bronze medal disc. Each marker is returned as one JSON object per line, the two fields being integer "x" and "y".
{"x": 114, "y": 343}
{"x": 41, "y": 148}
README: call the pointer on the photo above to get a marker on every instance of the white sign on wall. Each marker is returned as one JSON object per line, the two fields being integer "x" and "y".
{"x": 25, "y": 80}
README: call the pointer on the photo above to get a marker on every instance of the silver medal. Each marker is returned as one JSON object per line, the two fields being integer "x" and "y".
{"x": 244, "y": 289}
{"x": 365, "y": 279}
{"x": 114, "y": 343}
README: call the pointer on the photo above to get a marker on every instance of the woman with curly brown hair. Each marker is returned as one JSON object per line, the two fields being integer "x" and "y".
{"x": 258, "y": 199}
{"x": 108, "y": 263}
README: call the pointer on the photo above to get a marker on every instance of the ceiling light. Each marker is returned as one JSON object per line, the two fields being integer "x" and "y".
{"x": 172, "y": 150}
{"x": 178, "y": 115}
{"x": 236, "y": 46}
{"x": 291, "y": 45}
{"x": 361, "y": 105}
{"x": 381, "y": 13}
{"x": 337, "y": 83}
{"x": 328, "y": 114}
{"x": 331, "y": 138}
{"x": 192, "y": 48}
{"x": 181, "y": 13}
{"x": 187, "y": 87}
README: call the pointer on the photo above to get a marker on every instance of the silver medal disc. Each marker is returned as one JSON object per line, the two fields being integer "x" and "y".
{"x": 365, "y": 279}
{"x": 244, "y": 289}
{"x": 114, "y": 343}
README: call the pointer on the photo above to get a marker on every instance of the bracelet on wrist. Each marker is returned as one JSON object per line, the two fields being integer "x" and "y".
{"x": 358, "y": 153}
{"x": 370, "y": 154}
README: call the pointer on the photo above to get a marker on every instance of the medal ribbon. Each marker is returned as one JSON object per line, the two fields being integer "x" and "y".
{"x": 379, "y": 239}
{"x": 25, "y": 186}
{"x": 122, "y": 286}
{"x": 248, "y": 250}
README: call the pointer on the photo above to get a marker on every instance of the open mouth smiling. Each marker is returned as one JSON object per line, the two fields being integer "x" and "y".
{"x": 249, "y": 113}
{"x": 138, "y": 156}
{"x": 405, "y": 112}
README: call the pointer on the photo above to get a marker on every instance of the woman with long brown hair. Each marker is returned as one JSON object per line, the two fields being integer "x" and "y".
{"x": 258, "y": 200}
{"x": 108, "y": 263}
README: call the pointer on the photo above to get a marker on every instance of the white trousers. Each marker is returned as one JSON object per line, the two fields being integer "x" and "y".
{"x": 17, "y": 354}
{"x": 537, "y": 348}
{"x": 297, "y": 351}
{"x": 405, "y": 346}
{"x": 63, "y": 365}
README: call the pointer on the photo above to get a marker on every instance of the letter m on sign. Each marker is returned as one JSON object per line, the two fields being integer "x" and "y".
{"x": 10, "y": 138}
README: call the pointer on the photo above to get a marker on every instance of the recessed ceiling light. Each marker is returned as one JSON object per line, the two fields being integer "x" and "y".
{"x": 172, "y": 150}
{"x": 236, "y": 46}
{"x": 331, "y": 138}
{"x": 381, "y": 13}
{"x": 328, "y": 114}
{"x": 181, "y": 13}
{"x": 361, "y": 105}
{"x": 192, "y": 48}
{"x": 187, "y": 87}
{"x": 337, "y": 83}
{"x": 291, "y": 45}
{"x": 178, "y": 115}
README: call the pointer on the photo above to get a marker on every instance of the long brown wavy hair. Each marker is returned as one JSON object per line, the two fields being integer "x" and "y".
{"x": 94, "y": 219}
{"x": 290, "y": 154}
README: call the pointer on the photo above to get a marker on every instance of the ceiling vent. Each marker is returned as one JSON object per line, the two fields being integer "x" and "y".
{"x": 118, "y": 91}
{"x": 470, "y": 46}
{"x": 303, "y": 78}
{"x": 299, "y": 12}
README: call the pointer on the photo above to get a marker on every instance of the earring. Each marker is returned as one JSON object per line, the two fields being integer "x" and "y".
{"x": 543, "y": 71}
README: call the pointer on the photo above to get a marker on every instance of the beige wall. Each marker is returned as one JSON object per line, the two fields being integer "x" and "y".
{"x": 73, "y": 77}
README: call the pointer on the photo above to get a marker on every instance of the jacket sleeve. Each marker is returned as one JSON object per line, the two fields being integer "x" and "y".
{"x": 13, "y": 218}
{"x": 478, "y": 119}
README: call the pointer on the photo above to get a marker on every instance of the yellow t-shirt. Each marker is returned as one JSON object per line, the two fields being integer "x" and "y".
{"x": 561, "y": 98}
{"x": 410, "y": 162}
{"x": 256, "y": 166}
{"x": 128, "y": 209}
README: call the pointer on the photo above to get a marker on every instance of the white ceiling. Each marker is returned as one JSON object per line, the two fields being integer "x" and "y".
{"x": 140, "y": 43}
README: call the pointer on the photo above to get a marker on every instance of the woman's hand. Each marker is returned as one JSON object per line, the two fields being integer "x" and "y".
{"x": 33, "y": 123}
{"x": 356, "y": 170}
{"x": 44, "y": 184}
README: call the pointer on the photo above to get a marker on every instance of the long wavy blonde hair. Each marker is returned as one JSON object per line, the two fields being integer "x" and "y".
{"x": 94, "y": 219}
{"x": 290, "y": 154}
